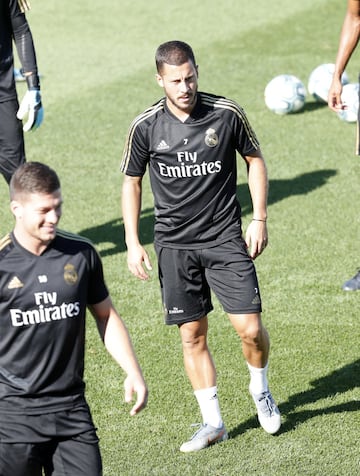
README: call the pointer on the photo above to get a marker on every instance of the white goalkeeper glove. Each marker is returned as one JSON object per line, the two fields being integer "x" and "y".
{"x": 31, "y": 105}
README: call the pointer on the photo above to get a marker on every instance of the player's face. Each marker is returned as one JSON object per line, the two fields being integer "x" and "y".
{"x": 37, "y": 216}
{"x": 180, "y": 84}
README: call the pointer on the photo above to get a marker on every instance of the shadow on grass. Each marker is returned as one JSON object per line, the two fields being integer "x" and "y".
{"x": 312, "y": 106}
{"x": 339, "y": 381}
{"x": 113, "y": 231}
{"x": 280, "y": 189}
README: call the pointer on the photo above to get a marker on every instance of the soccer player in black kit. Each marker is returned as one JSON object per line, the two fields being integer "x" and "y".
{"x": 48, "y": 278}
{"x": 189, "y": 141}
{"x": 14, "y": 27}
{"x": 348, "y": 41}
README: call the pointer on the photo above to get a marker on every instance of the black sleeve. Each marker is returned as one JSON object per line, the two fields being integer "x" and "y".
{"x": 97, "y": 290}
{"x": 24, "y": 41}
{"x": 136, "y": 151}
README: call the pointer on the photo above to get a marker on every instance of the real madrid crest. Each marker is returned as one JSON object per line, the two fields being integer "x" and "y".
{"x": 211, "y": 138}
{"x": 70, "y": 274}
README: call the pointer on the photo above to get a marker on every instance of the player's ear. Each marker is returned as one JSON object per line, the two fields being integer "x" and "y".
{"x": 16, "y": 208}
{"x": 159, "y": 80}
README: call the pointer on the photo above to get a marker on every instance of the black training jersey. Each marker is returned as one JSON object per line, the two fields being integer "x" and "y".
{"x": 14, "y": 26}
{"x": 193, "y": 170}
{"x": 43, "y": 303}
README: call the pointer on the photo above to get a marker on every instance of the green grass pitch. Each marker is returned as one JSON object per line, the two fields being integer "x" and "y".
{"x": 96, "y": 59}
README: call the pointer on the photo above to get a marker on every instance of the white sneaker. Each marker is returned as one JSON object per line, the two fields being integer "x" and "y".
{"x": 205, "y": 436}
{"x": 268, "y": 413}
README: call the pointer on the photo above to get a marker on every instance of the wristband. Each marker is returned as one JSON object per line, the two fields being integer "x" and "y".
{"x": 32, "y": 81}
{"x": 257, "y": 219}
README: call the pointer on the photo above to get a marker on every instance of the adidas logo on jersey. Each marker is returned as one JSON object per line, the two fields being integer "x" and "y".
{"x": 15, "y": 283}
{"x": 162, "y": 146}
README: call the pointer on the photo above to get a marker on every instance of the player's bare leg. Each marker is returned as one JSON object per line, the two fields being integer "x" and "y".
{"x": 255, "y": 346}
{"x": 198, "y": 362}
{"x": 201, "y": 371}
{"x": 254, "y": 338}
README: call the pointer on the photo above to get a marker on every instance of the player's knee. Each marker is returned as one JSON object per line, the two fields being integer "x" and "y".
{"x": 193, "y": 343}
{"x": 194, "y": 335}
{"x": 252, "y": 333}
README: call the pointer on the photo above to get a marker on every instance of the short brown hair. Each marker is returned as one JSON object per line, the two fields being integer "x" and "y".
{"x": 175, "y": 53}
{"x": 33, "y": 177}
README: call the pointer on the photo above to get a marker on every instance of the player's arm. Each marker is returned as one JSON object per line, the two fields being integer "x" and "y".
{"x": 131, "y": 208}
{"x": 349, "y": 38}
{"x": 256, "y": 234}
{"x": 31, "y": 105}
{"x": 117, "y": 341}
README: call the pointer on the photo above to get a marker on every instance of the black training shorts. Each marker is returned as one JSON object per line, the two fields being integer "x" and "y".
{"x": 187, "y": 276}
{"x": 58, "y": 444}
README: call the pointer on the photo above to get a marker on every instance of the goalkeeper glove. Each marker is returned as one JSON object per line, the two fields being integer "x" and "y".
{"x": 31, "y": 105}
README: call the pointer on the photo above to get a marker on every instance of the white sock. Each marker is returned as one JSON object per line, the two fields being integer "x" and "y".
{"x": 258, "y": 379}
{"x": 209, "y": 406}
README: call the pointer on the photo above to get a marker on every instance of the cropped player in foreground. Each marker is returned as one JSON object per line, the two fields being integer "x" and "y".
{"x": 14, "y": 27}
{"x": 349, "y": 38}
{"x": 189, "y": 140}
{"x": 47, "y": 280}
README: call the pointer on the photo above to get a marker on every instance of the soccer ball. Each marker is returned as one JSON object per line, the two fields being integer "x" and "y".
{"x": 350, "y": 98}
{"x": 320, "y": 81}
{"x": 285, "y": 94}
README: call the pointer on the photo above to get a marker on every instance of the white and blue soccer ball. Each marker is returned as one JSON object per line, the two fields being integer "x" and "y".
{"x": 350, "y": 98}
{"x": 320, "y": 80}
{"x": 285, "y": 94}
